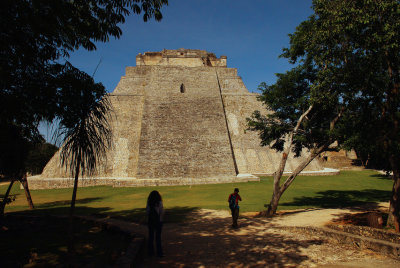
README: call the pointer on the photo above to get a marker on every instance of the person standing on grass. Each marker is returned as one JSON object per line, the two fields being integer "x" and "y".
{"x": 233, "y": 200}
{"x": 155, "y": 215}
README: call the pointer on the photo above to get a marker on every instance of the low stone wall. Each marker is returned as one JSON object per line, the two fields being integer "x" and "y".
{"x": 178, "y": 181}
{"x": 324, "y": 172}
{"x": 360, "y": 240}
{"x": 368, "y": 232}
{"x": 37, "y": 183}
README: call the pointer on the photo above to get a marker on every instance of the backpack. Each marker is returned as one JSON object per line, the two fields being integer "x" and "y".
{"x": 154, "y": 218}
{"x": 232, "y": 201}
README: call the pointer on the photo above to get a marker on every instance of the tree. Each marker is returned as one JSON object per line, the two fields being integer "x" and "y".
{"x": 362, "y": 138}
{"x": 300, "y": 119}
{"x": 353, "y": 46}
{"x": 37, "y": 37}
{"x": 86, "y": 131}
{"x": 38, "y": 156}
{"x": 15, "y": 148}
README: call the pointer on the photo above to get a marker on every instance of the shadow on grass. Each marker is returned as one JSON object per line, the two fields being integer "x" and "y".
{"x": 63, "y": 211}
{"x": 341, "y": 199}
{"x": 137, "y": 215}
{"x": 381, "y": 177}
{"x": 11, "y": 195}
{"x": 68, "y": 202}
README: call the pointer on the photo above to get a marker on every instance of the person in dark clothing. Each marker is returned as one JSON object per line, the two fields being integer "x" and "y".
{"x": 233, "y": 200}
{"x": 155, "y": 215}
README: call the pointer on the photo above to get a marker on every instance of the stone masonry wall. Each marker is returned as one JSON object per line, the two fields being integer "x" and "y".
{"x": 239, "y": 105}
{"x": 184, "y": 133}
{"x": 122, "y": 158}
{"x": 126, "y": 131}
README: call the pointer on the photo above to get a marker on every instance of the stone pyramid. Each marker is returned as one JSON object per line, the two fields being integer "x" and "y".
{"x": 180, "y": 118}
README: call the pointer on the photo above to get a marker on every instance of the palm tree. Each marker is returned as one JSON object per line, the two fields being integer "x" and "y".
{"x": 84, "y": 128}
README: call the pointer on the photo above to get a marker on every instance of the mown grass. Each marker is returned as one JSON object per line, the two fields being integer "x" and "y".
{"x": 350, "y": 188}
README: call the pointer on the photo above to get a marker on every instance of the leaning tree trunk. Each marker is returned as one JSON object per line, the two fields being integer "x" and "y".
{"x": 5, "y": 199}
{"x": 279, "y": 190}
{"x": 276, "y": 195}
{"x": 24, "y": 182}
{"x": 71, "y": 248}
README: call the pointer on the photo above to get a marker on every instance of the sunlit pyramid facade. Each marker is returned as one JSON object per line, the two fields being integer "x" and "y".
{"x": 180, "y": 118}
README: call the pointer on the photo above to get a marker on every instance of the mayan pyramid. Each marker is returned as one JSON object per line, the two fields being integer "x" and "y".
{"x": 180, "y": 118}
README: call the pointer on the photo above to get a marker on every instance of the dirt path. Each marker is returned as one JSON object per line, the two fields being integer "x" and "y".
{"x": 207, "y": 240}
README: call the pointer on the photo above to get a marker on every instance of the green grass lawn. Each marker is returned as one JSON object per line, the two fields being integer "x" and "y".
{"x": 350, "y": 188}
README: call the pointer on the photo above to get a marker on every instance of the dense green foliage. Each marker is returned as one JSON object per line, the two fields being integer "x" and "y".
{"x": 350, "y": 51}
{"x": 355, "y": 47}
{"x": 38, "y": 157}
{"x": 349, "y": 55}
{"x": 289, "y": 98}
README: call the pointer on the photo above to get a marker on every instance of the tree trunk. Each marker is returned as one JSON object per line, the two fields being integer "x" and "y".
{"x": 279, "y": 190}
{"x": 276, "y": 195}
{"x": 391, "y": 106}
{"x": 71, "y": 248}
{"x": 3, "y": 204}
{"x": 273, "y": 205}
{"x": 394, "y": 207}
{"x": 303, "y": 165}
{"x": 24, "y": 182}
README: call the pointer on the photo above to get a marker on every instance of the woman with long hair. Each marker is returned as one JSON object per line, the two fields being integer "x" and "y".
{"x": 155, "y": 215}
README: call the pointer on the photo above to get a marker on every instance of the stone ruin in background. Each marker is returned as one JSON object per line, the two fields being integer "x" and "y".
{"x": 180, "y": 118}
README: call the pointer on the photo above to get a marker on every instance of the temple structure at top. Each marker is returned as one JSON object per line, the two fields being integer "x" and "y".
{"x": 181, "y": 57}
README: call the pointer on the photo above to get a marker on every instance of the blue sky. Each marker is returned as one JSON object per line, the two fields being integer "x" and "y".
{"x": 250, "y": 33}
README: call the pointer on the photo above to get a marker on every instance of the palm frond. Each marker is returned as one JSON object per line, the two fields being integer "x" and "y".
{"x": 87, "y": 142}
{"x": 84, "y": 115}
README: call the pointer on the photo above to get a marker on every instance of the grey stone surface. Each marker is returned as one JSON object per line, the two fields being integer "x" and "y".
{"x": 180, "y": 115}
